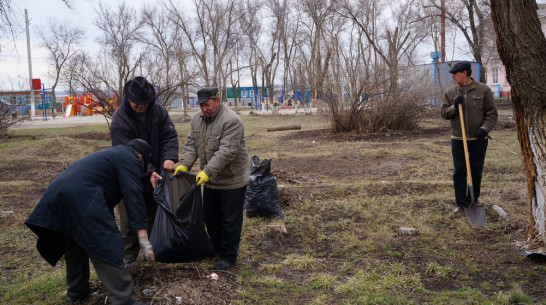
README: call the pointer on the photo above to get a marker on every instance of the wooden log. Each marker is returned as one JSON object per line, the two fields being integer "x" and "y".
{"x": 287, "y": 127}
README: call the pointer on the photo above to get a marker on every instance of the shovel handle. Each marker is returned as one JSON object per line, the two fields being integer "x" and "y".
{"x": 466, "y": 157}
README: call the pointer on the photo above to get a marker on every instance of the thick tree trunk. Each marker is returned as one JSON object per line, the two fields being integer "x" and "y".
{"x": 522, "y": 48}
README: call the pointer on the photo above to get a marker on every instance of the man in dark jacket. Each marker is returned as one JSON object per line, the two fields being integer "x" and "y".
{"x": 217, "y": 138}
{"x": 140, "y": 117}
{"x": 480, "y": 117}
{"x": 75, "y": 218}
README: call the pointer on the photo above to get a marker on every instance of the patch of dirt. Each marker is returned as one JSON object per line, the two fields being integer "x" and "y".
{"x": 176, "y": 284}
{"x": 505, "y": 123}
{"x": 311, "y": 170}
{"x": 92, "y": 136}
{"x": 328, "y": 135}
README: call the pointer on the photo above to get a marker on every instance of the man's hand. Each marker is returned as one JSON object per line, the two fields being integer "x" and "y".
{"x": 146, "y": 248}
{"x": 458, "y": 100}
{"x": 481, "y": 134}
{"x": 201, "y": 178}
{"x": 168, "y": 165}
{"x": 154, "y": 178}
{"x": 180, "y": 168}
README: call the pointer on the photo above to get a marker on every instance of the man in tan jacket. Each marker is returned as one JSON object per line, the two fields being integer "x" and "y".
{"x": 217, "y": 138}
{"x": 480, "y": 116}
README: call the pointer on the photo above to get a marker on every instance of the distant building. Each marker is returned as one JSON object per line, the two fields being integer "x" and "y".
{"x": 20, "y": 101}
{"x": 438, "y": 75}
{"x": 247, "y": 96}
{"x": 191, "y": 99}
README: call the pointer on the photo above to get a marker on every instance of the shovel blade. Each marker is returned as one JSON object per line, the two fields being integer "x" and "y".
{"x": 480, "y": 215}
{"x": 471, "y": 217}
{"x": 475, "y": 216}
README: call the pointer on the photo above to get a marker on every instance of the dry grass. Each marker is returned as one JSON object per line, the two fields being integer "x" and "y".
{"x": 344, "y": 196}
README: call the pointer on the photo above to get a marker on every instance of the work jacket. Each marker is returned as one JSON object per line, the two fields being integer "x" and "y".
{"x": 159, "y": 132}
{"x": 79, "y": 203}
{"x": 219, "y": 143}
{"x": 479, "y": 110}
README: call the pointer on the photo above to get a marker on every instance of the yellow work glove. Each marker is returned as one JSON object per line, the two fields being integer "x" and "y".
{"x": 201, "y": 178}
{"x": 180, "y": 168}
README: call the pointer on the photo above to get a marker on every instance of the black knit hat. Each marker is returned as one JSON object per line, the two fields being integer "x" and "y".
{"x": 139, "y": 91}
{"x": 143, "y": 148}
{"x": 206, "y": 94}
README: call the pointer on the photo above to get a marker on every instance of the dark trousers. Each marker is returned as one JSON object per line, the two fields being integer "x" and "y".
{"x": 476, "y": 153}
{"x": 117, "y": 282}
{"x": 224, "y": 220}
{"x": 130, "y": 238}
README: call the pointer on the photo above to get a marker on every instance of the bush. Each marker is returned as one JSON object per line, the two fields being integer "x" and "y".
{"x": 376, "y": 104}
{"x": 378, "y": 113}
{"x": 8, "y": 117}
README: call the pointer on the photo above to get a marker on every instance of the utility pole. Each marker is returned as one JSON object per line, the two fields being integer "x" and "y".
{"x": 443, "y": 31}
{"x": 32, "y": 102}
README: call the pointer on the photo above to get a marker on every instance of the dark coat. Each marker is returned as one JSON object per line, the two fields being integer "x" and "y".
{"x": 160, "y": 132}
{"x": 479, "y": 110}
{"x": 80, "y": 202}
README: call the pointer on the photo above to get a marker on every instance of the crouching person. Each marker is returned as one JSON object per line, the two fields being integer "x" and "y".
{"x": 75, "y": 218}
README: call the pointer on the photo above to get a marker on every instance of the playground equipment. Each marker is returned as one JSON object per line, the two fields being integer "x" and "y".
{"x": 86, "y": 105}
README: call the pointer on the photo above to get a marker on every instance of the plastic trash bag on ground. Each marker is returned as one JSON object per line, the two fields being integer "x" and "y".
{"x": 261, "y": 193}
{"x": 178, "y": 234}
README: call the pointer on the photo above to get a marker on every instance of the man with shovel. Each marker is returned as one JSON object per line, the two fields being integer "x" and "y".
{"x": 471, "y": 108}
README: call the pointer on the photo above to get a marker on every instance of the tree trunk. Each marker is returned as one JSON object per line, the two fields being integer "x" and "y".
{"x": 522, "y": 47}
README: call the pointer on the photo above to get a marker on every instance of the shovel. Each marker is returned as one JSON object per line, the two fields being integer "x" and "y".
{"x": 474, "y": 215}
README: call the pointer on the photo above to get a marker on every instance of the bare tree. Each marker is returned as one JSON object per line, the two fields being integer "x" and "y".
{"x": 163, "y": 42}
{"x": 469, "y": 17}
{"x": 9, "y": 24}
{"x": 188, "y": 74}
{"x": 266, "y": 44}
{"x": 63, "y": 41}
{"x": 251, "y": 28}
{"x": 210, "y": 34}
{"x": 393, "y": 41}
{"x": 317, "y": 13}
{"x": 71, "y": 74}
{"x": 119, "y": 56}
{"x": 290, "y": 31}
{"x": 522, "y": 48}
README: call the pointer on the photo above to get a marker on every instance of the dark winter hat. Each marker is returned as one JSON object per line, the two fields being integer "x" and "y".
{"x": 461, "y": 66}
{"x": 143, "y": 148}
{"x": 139, "y": 91}
{"x": 205, "y": 94}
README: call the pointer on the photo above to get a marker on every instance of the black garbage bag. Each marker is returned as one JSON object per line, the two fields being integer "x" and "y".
{"x": 261, "y": 193}
{"x": 178, "y": 234}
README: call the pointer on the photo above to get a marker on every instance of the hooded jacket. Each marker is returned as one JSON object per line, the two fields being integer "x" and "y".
{"x": 79, "y": 203}
{"x": 159, "y": 132}
{"x": 479, "y": 110}
{"x": 219, "y": 143}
